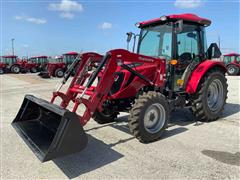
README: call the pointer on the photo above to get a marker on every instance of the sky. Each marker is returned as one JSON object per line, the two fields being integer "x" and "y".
{"x": 44, "y": 27}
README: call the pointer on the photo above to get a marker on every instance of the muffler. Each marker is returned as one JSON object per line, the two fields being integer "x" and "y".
{"x": 49, "y": 130}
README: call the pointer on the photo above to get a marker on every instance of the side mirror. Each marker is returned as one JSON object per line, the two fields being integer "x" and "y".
{"x": 179, "y": 26}
{"x": 129, "y": 36}
{"x": 213, "y": 51}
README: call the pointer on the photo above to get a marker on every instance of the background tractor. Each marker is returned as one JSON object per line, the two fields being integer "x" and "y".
{"x": 148, "y": 84}
{"x": 232, "y": 62}
{"x": 57, "y": 69}
{"x": 15, "y": 65}
{"x": 41, "y": 62}
{"x": 2, "y": 66}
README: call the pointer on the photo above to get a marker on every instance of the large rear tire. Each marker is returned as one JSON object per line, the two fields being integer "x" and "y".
{"x": 104, "y": 117}
{"x": 232, "y": 70}
{"x": 149, "y": 116}
{"x": 209, "y": 100}
{"x": 15, "y": 69}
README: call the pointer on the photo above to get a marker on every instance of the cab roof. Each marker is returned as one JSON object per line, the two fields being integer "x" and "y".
{"x": 71, "y": 53}
{"x": 232, "y": 54}
{"x": 39, "y": 57}
{"x": 174, "y": 17}
{"x": 9, "y": 56}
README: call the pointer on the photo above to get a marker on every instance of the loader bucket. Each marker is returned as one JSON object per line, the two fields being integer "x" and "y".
{"x": 44, "y": 74}
{"x": 49, "y": 130}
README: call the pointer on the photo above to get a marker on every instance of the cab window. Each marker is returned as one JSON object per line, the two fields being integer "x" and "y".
{"x": 187, "y": 44}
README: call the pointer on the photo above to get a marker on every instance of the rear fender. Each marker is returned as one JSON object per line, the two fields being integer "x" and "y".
{"x": 199, "y": 72}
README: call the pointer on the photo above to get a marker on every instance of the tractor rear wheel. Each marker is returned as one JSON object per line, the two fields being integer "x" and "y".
{"x": 232, "y": 70}
{"x": 15, "y": 69}
{"x": 149, "y": 116}
{"x": 59, "y": 72}
{"x": 104, "y": 117}
{"x": 210, "y": 98}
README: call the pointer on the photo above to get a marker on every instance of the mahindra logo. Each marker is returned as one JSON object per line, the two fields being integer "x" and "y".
{"x": 145, "y": 59}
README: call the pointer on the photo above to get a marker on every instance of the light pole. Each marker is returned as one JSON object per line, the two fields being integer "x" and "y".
{"x": 12, "y": 46}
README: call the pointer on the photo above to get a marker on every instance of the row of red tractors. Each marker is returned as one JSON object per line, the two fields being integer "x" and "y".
{"x": 43, "y": 64}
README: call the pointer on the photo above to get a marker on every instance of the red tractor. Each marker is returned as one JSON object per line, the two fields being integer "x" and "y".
{"x": 2, "y": 66}
{"x": 232, "y": 62}
{"x": 41, "y": 62}
{"x": 26, "y": 65}
{"x": 148, "y": 84}
{"x": 57, "y": 69}
{"x": 15, "y": 65}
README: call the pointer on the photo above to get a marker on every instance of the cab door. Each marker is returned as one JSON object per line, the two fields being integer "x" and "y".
{"x": 187, "y": 52}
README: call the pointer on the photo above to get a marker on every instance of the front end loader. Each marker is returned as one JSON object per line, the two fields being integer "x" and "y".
{"x": 171, "y": 69}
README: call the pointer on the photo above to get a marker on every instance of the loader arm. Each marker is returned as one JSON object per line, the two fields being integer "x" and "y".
{"x": 93, "y": 96}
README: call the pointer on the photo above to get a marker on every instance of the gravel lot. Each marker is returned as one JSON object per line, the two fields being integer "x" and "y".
{"x": 188, "y": 150}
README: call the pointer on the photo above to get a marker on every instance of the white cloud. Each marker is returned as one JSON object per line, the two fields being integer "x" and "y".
{"x": 67, "y": 15}
{"x": 31, "y": 19}
{"x": 188, "y": 4}
{"x": 106, "y": 25}
{"x": 66, "y": 7}
{"x": 18, "y": 17}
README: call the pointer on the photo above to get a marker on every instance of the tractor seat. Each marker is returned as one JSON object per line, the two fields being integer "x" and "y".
{"x": 185, "y": 58}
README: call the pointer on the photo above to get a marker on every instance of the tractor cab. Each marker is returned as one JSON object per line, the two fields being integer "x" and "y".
{"x": 232, "y": 57}
{"x": 39, "y": 59}
{"x": 69, "y": 57}
{"x": 180, "y": 40}
{"x": 232, "y": 62}
{"x": 9, "y": 60}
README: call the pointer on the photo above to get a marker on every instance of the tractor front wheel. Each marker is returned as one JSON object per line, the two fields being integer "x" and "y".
{"x": 210, "y": 98}
{"x": 15, "y": 69}
{"x": 59, "y": 73}
{"x": 33, "y": 70}
{"x": 149, "y": 116}
{"x": 104, "y": 116}
{"x": 232, "y": 70}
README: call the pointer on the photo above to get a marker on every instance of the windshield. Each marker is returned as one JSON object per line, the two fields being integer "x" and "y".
{"x": 42, "y": 60}
{"x": 156, "y": 41}
{"x": 34, "y": 60}
{"x": 9, "y": 60}
{"x": 238, "y": 59}
{"x": 67, "y": 58}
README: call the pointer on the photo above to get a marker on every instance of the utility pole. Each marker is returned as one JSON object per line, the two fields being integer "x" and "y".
{"x": 12, "y": 46}
{"x": 219, "y": 42}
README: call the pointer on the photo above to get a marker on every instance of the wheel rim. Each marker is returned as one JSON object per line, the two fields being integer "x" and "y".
{"x": 16, "y": 69}
{"x": 215, "y": 95}
{"x": 60, "y": 73}
{"x": 231, "y": 70}
{"x": 154, "y": 118}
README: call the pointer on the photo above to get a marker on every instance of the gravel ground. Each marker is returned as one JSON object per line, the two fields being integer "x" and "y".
{"x": 188, "y": 150}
